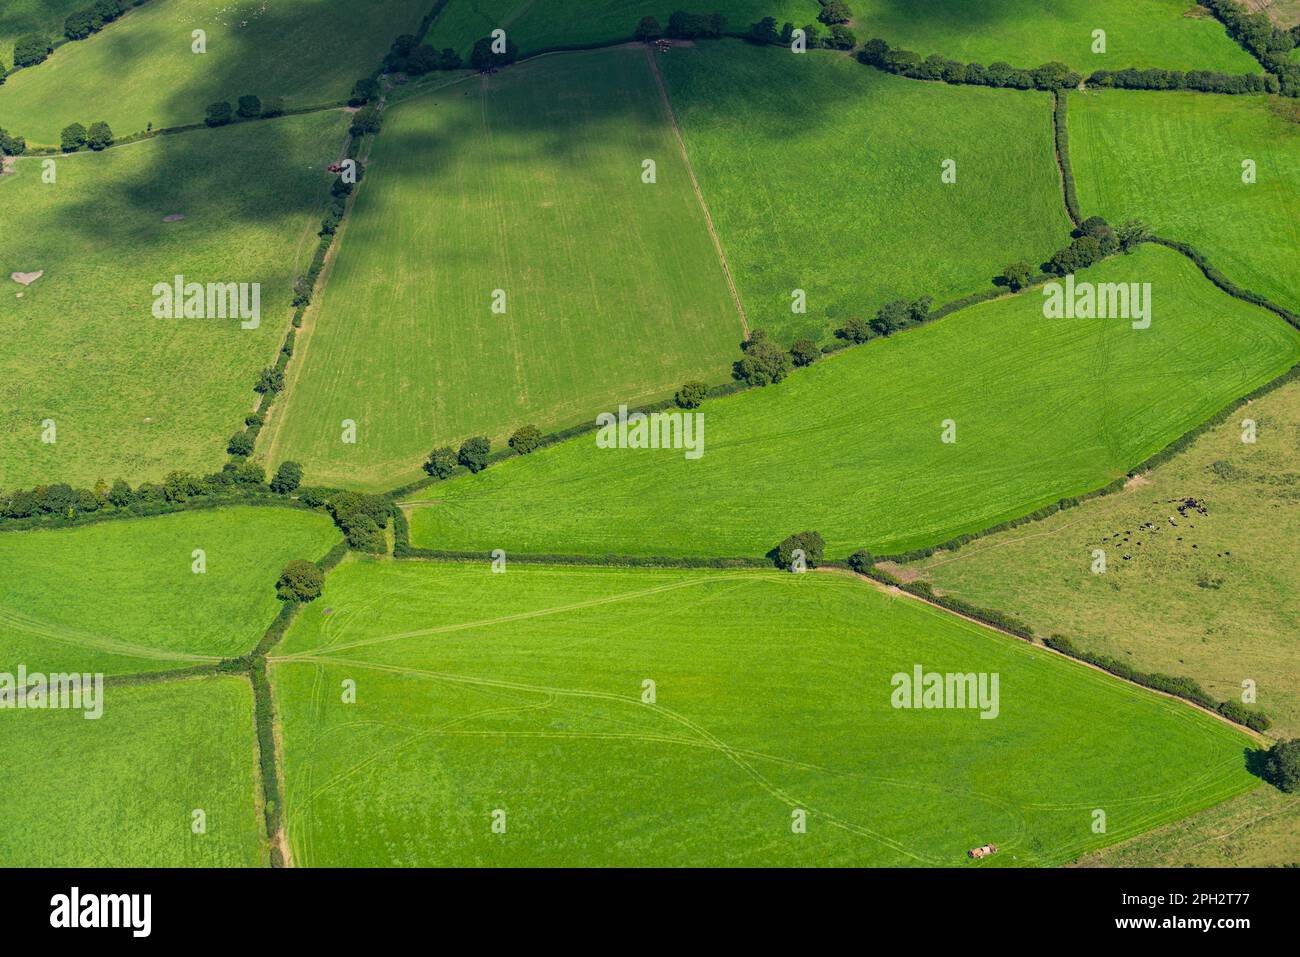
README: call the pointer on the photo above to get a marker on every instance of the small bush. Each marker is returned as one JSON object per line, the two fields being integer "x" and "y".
{"x": 526, "y": 439}
{"x": 72, "y": 138}
{"x": 861, "y": 561}
{"x": 99, "y": 136}
{"x": 804, "y": 352}
{"x": 1282, "y": 766}
{"x": 690, "y": 395}
{"x": 287, "y": 478}
{"x": 810, "y": 543}
{"x": 441, "y": 462}
{"x": 300, "y": 581}
{"x": 474, "y": 453}
{"x": 218, "y": 114}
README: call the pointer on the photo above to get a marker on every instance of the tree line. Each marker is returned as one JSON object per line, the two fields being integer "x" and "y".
{"x": 1056, "y": 75}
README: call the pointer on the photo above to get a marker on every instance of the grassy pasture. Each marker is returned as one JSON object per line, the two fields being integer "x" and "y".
{"x": 143, "y": 70}
{"x": 131, "y": 395}
{"x": 542, "y": 24}
{"x": 1025, "y": 33}
{"x": 522, "y": 692}
{"x": 1259, "y": 829}
{"x": 851, "y": 446}
{"x": 120, "y": 596}
{"x": 1175, "y": 159}
{"x": 1214, "y": 598}
{"x": 528, "y": 182}
{"x": 120, "y": 791}
{"x": 824, "y": 175}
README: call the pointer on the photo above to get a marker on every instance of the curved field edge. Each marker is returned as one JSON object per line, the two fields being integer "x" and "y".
{"x": 1181, "y": 162}
{"x": 507, "y": 710}
{"x": 1204, "y": 591}
{"x": 852, "y": 446}
{"x": 122, "y": 597}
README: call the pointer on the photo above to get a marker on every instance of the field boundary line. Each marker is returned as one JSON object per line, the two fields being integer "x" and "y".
{"x": 303, "y": 334}
{"x": 894, "y": 590}
{"x": 695, "y": 184}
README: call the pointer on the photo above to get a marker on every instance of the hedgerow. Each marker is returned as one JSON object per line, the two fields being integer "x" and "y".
{"x": 264, "y": 714}
{"x": 1181, "y": 687}
{"x": 1269, "y": 44}
{"x": 1056, "y": 76}
{"x": 1062, "y": 143}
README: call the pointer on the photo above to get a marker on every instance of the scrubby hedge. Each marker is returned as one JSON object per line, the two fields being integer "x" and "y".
{"x": 82, "y": 23}
{"x": 60, "y": 504}
{"x": 1049, "y": 76}
{"x": 1270, "y": 45}
{"x": 1181, "y": 687}
{"x": 1223, "y": 282}
{"x": 988, "y": 616}
{"x": 1063, "y": 157}
{"x": 1203, "y": 81}
{"x": 271, "y": 381}
{"x": 264, "y": 711}
{"x": 271, "y": 637}
{"x": 1056, "y": 76}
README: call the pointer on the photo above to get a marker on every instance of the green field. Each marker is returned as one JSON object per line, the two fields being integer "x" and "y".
{"x": 143, "y": 71}
{"x": 21, "y": 17}
{"x": 121, "y": 791}
{"x": 1026, "y": 33}
{"x": 851, "y": 446}
{"x": 522, "y": 692}
{"x": 132, "y": 395}
{"x": 1175, "y": 159}
{"x": 121, "y": 596}
{"x": 1215, "y": 598}
{"x": 824, "y": 175}
{"x": 528, "y": 182}
{"x": 542, "y": 25}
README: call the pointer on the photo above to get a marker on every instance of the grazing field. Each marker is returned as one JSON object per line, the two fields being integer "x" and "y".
{"x": 1175, "y": 159}
{"x": 528, "y": 182}
{"x": 121, "y": 791}
{"x": 825, "y": 175}
{"x": 121, "y": 596}
{"x": 1025, "y": 33}
{"x": 18, "y": 18}
{"x": 1259, "y": 829}
{"x": 143, "y": 70}
{"x": 1210, "y": 594}
{"x": 851, "y": 447}
{"x": 543, "y": 25}
{"x": 523, "y": 692}
{"x": 131, "y": 395}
